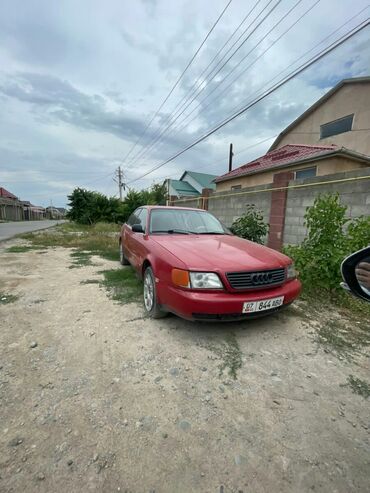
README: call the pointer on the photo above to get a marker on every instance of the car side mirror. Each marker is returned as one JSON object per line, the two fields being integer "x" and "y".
{"x": 137, "y": 228}
{"x": 356, "y": 274}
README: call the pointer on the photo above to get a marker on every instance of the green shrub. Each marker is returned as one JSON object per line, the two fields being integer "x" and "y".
{"x": 251, "y": 225}
{"x": 331, "y": 236}
{"x": 88, "y": 207}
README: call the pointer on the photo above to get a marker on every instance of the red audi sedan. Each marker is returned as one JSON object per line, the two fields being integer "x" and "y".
{"x": 192, "y": 266}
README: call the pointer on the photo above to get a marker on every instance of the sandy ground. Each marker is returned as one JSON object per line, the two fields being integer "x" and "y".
{"x": 111, "y": 401}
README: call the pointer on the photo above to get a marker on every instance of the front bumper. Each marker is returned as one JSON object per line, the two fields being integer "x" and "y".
{"x": 222, "y": 305}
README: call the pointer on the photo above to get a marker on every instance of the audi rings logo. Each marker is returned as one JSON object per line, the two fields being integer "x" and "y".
{"x": 259, "y": 278}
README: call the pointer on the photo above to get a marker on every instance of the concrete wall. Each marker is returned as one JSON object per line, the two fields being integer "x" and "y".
{"x": 355, "y": 194}
{"x": 228, "y": 206}
{"x": 351, "y": 98}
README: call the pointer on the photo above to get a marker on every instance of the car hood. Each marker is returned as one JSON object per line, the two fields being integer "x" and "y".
{"x": 222, "y": 253}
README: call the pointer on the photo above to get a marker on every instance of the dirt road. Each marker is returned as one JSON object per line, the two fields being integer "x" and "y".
{"x": 95, "y": 397}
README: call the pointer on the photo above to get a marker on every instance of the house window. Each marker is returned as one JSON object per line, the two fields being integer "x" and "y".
{"x": 302, "y": 174}
{"x": 236, "y": 187}
{"x": 336, "y": 127}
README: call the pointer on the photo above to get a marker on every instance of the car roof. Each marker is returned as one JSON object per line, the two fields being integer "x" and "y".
{"x": 151, "y": 207}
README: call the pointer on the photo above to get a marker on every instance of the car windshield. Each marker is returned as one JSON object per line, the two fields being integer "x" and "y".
{"x": 183, "y": 221}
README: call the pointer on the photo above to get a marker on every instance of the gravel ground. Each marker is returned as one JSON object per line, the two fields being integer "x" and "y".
{"x": 95, "y": 397}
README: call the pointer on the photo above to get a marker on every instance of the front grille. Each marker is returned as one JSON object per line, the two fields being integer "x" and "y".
{"x": 256, "y": 279}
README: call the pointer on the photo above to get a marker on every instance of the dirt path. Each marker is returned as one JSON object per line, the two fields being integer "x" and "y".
{"x": 110, "y": 401}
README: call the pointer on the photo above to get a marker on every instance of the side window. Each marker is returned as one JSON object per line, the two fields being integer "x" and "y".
{"x": 134, "y": 218}
{"x": 143, "y": 218}
{"x": 305, "y": 173}
{"x": 336, "y": 127}
{"x": 236, "y": 187}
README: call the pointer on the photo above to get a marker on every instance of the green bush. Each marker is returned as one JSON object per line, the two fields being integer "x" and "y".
{"x": 250, "y": 225}
{"x": 88, "y": 207}
{"x": 331, "y": 236}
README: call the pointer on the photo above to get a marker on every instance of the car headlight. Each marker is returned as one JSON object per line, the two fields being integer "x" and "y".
{"x": 205, "y": 280}
{"x": 291, "y": 273}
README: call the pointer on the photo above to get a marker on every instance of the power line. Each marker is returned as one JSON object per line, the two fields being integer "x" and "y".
{"x": 178, "y": 80}
{"x": 182, "y": 126}
{"x": 155, "y": 139}
{"x": 241, "y": 151}
{"x": 279, "y": 84}
{"x": 188, "y": 95}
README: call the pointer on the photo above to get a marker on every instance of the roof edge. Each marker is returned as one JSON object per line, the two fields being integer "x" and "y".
{"x": 342, "y": 151}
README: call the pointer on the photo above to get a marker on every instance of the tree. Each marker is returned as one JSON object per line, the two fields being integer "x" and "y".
{"x": 88, "y": 207}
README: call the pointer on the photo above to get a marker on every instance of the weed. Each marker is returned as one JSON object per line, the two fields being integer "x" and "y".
{"x": 90, "y": 281}
{"x": 122, "y": 285}
{"x": 342, "y": 338}
{"x": 5, "y": 299}
{"x": 22, "y": 248}
{"x": 359, "y": 386}
{"x": 230, "y": 354}
{"x": 80, "y": 259}
{"x": 100, "y": 239}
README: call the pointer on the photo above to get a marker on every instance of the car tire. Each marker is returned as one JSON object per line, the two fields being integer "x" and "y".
{"x": 123, "y": 260}
{"x": 150, "y": 295}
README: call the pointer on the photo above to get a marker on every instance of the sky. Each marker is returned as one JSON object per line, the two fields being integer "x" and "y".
{"x": 80, "y": 80}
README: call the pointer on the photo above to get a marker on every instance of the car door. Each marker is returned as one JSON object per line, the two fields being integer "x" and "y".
{"x": 138, "y": 240}
{"x": 127, "y": 240}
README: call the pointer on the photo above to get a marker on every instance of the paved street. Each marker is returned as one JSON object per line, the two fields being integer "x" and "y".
{"x": 8, "y": 230}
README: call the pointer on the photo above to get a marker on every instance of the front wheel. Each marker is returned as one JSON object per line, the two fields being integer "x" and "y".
{"x": 150, "y": 296}
{"x": 122, "y": 257}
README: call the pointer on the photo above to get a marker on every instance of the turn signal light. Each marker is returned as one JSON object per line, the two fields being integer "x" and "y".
{"x": 180, "y": 278}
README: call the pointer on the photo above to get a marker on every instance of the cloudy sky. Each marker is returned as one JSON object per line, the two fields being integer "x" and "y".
{"x": 81, "y": 79}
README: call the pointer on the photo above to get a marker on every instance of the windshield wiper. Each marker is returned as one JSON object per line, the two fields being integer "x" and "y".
{"x": 211, "y": 233}
{"x": 171, "y": 231}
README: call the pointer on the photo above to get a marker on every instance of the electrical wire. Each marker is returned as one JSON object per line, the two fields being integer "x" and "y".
{"x": 222, "y": 159}
{"x": 188, "y": 95}
{"x": 277, "y": 75}
{"x": 155, "y": 139}
{"x": 272, "y": 89}
{"x": 178, "y": 80}
{"x": 181, "y": 125}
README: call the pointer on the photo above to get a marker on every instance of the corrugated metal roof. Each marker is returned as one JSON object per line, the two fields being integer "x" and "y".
{"x": 289, "y": 154}
{"x": 204, "y": 179}
{"x": 183, "y": 188}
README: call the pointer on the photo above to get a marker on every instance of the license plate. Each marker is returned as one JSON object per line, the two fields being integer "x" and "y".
{"x": 259, "y": 306}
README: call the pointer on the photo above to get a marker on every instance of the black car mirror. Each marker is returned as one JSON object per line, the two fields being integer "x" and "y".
{"x": 356, "y": 273}
{"x": 137, "y": 228}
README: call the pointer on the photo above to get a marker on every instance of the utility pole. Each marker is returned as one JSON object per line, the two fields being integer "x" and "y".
{"x": 119, "y": 175}
{"x": 231, "y": 154}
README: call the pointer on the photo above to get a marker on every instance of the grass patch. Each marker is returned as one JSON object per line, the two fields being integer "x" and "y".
{"x": 230, "y": 353}
{"x": 342, "y": 338}
{"x": 80, "y": 259}
{"x": 100, "y": 239}
{"x": 5, "y": 298}
{"x": 122, "y": 285}
{"x": 359, "y": 386}
{"x": 22, "y": 248}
